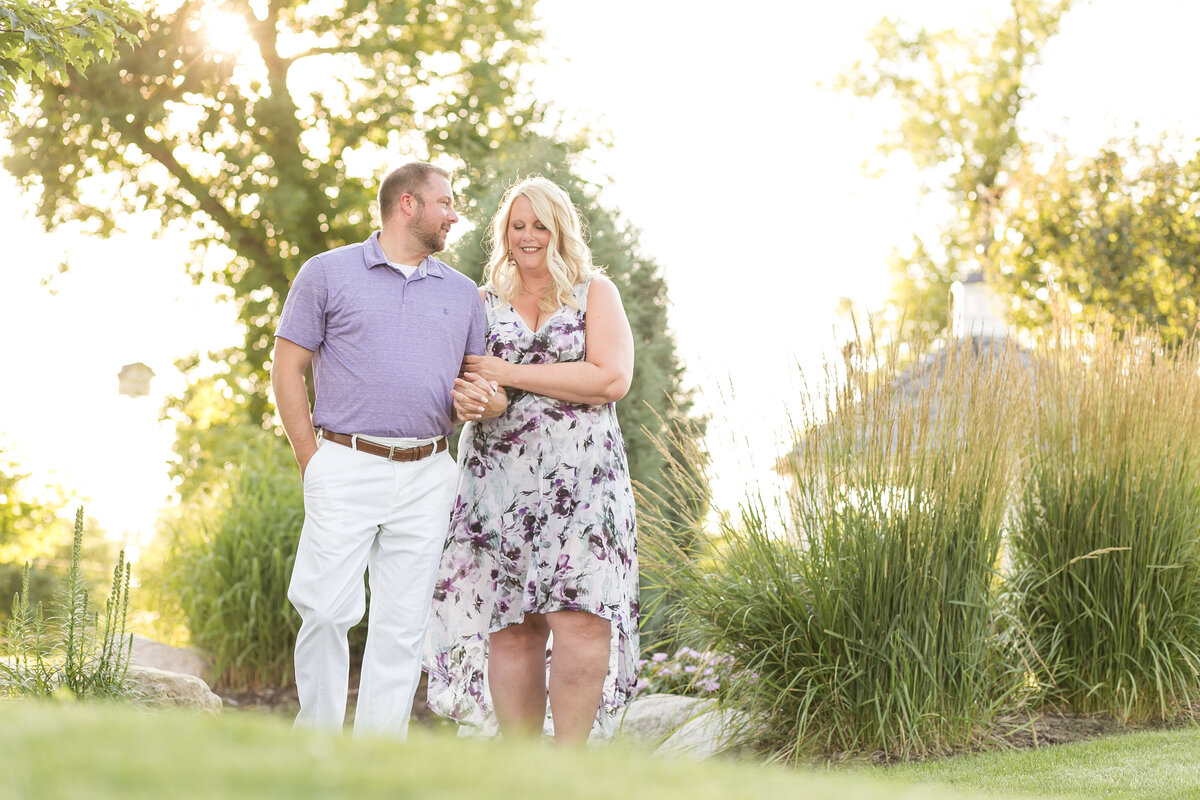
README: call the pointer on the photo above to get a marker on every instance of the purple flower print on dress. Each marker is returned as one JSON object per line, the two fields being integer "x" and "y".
{"x": 479, "y": 538}
{"x": 564, "y": 593}
{"x": 515, "y": 438}
{"x": 564, "y": 502}
{"x": 598, "y": 549}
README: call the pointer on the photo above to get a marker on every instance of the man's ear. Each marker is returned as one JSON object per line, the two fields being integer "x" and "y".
{"x": 408, "y": 204}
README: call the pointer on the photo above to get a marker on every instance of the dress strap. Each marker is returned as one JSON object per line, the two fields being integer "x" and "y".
{"x": 581, "y": 294}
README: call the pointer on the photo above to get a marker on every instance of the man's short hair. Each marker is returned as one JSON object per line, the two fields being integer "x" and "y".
{"x": 410, "y": 178}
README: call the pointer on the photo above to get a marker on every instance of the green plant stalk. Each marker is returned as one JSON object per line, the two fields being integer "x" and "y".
{"x": 70, "y": 652}
{"x": 871, "y": 622}
{"x": 1106, "y": 559}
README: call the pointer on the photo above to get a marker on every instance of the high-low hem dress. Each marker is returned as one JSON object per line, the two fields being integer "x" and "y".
{"x": 544, "y": 521}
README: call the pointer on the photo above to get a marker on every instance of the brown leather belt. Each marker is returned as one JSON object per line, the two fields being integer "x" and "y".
{"x": 383, "y": 450}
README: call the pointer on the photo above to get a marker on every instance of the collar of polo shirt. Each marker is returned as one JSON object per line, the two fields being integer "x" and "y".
{"x": 373, "y": 257}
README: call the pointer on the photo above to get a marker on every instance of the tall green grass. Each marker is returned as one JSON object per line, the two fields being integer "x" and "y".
{"x": 1105, "y": 552}
{"x": 869, "y": 622}
{"x": 227, "y": 566}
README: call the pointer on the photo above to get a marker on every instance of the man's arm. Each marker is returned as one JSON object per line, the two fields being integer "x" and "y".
{"x": 288, "y": 366}
{"x": 473, "y": 396}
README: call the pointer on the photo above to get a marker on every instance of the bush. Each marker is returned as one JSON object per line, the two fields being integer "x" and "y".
{"x": 1106, "y": 556}
{"x": 72, "y": 649}
{"x": 228, "y": 562}
{"x": 869, "y": 621}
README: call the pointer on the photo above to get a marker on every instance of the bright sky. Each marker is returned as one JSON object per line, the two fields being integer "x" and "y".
{"x": 743, "y": 174}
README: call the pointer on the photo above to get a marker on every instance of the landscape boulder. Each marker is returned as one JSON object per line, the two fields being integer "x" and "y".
{"x": 704, "y": 735}
{"x": 162, "y": 689}
{"x": 187, "y": 660}
{"x": 648, "y": 720}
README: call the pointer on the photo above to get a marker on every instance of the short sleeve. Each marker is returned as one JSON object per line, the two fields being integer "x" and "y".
{"x": 303, "y": 318}
{"x": 477, "y": 331}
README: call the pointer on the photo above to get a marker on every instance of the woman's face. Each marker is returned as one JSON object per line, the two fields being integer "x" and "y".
{"x": 528, "y": 238}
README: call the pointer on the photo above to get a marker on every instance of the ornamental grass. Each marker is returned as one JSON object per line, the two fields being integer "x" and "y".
{"x": 866, "y": 620}
{"x": 1106, "y": 560}
{"x": 227, "y": 567}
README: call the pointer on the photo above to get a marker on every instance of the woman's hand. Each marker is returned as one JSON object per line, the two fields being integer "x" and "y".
{"x": 472, "y": 397}
{"x": 477, "y": 398}
{"x": 490, "y": 368}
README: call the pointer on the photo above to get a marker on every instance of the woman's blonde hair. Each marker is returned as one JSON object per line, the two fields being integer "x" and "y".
{"x": 568, "y": 258}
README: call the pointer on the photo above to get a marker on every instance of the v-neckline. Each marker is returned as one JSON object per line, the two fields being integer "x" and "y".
{"x": 525, "y": 324}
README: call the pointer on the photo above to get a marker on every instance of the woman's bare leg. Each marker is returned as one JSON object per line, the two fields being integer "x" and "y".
{"x": 517, "y": 676}
{"x": 578, "y": 665}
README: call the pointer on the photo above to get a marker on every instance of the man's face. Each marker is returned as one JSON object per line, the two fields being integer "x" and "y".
{"x": 435, "y": 214}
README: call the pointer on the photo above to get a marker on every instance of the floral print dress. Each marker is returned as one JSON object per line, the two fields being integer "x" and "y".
{"x": 544, "y": 521}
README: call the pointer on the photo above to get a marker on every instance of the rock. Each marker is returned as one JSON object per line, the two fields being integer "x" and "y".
{"x": 162, "y": 689}
{"x": 185, "y": 660}
{"x": 704, "y": 735}
{"x": 650, "y": 719}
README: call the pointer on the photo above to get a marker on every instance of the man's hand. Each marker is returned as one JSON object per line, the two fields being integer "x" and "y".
{"x": 303, "y": 460}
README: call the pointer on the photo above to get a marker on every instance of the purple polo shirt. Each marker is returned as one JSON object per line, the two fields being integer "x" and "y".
{"x": 386, "y": 349}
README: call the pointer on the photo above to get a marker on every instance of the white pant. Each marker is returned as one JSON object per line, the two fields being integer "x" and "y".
{"x": 365, "y": 513}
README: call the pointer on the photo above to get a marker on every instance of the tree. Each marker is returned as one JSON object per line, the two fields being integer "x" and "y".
{"x": 1117, "y": 234}
{"x": 269, "y": 141}
{"x": 959, "y": 95}
{"x": 29, "y": 524}
{"x": 263, "y": 130}
{"x": 30, "y": 529}
{"x": 41, "y": 40}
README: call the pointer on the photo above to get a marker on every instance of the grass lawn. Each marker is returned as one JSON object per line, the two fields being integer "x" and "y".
{"x": 86, "y": 752}
{"x": 97, "y": 752}
{"x": 1161, "y": 764}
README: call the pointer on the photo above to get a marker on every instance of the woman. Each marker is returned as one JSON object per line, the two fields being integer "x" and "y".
{"x": 542, "y": 545}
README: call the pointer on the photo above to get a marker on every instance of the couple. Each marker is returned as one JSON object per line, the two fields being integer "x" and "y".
{"x": 541, "y": 543}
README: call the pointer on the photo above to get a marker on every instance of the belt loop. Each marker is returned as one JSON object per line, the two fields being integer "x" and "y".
{"x": 354, "y": 441}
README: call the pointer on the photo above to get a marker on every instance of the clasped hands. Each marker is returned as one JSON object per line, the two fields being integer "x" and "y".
{"x": 476, "y": 396}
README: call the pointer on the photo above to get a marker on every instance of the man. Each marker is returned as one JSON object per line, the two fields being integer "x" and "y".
{"x": 385, "y": 327}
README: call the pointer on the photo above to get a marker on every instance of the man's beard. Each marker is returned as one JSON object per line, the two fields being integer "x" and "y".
{"x": 433, "y": 239}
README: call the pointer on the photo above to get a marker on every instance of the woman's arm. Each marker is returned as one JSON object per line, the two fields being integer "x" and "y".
{"x": 604, "y": 374}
